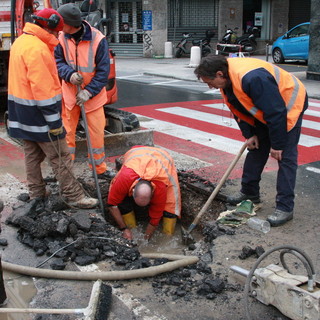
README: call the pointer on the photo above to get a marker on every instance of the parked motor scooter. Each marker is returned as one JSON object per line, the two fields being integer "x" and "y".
{"x": 230, "y": 36}
{"x": 184, "y": 47}
{"x": 246, "y": 42}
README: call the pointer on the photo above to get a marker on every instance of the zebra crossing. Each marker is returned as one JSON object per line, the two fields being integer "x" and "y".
{"x": 206, "y": 130}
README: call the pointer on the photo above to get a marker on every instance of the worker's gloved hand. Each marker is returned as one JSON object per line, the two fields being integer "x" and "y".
{"x": 83, "y": 96}
{"x": 76, "y": 78}
{"x": 127, "y": 234}
{"x": 56, "y": 131}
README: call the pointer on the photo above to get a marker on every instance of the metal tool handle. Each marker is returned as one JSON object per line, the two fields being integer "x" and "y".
{"x": 84, "y": 118}
{"x": 217, "y": 188}
{"x": 243, "y": 272}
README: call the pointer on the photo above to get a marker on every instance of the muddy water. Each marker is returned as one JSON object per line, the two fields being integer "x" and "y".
{"x": 161, "y": 243}
{"x": 20, "y": 291}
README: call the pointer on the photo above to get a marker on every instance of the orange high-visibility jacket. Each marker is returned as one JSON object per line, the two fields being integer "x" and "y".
{"x": 34, "y": 90}
{"x": 156, "y": 164}
{"x": 291, "y": 89}
{"x": 81, "y": 57}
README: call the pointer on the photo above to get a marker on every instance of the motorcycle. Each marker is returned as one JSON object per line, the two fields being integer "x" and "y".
{"x": 245, "y": 43}
{"x": 230, "y": 36}
{"x": 183, "y": 47}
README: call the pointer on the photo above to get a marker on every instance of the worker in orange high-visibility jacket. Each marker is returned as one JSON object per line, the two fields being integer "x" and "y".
{"x": 268, "y": 104}
{"x": 147, "y": 179}
{"x": 83, "y": 64}
{"x": 34, "y": 105}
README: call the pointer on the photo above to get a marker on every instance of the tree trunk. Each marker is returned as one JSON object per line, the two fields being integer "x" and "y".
{"x": 3, "y": 295}
{"x": 313, "y": 72}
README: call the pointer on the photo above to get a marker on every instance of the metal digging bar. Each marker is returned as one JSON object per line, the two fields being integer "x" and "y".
{"x": 84, "y": 118}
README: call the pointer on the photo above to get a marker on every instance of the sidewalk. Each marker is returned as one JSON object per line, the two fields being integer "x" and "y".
{"x": 179, "y": 69}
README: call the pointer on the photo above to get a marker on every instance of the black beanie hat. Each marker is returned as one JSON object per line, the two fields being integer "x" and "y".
{"x": 71, "y": 14}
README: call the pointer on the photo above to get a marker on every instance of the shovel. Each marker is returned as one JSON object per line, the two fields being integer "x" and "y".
{"x": 186, "y": 234}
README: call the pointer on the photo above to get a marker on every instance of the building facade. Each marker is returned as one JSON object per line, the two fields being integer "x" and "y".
{"x": 141, "y": 28}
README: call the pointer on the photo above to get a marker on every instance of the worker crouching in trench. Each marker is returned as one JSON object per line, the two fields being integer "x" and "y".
{"x": 147, "y": 180}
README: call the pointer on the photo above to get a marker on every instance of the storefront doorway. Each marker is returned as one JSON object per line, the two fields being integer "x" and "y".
{"x": 256, "y": 13}
{"x": 250, "y": 10}
{"x": 127, "y": 22}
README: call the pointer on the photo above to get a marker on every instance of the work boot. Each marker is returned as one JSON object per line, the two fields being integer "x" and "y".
{"x": 84, "y": 203}
{"x": 279, "y": 217}
{"x": 239, "y": 197}
{"x": 106, "y": 175}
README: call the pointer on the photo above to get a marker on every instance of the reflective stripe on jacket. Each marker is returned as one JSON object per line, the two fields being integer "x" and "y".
{"x": 81, "y": 57}
{"x": 156, "y": 164}
{"x": 291, "y": 89}
{"x": 34, "y": 91}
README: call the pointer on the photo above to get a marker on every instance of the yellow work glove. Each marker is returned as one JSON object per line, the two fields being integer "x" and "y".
{"x": 76, "y": 78}
{"x": 83, "y": 96}
{"x": 56, "y": 131}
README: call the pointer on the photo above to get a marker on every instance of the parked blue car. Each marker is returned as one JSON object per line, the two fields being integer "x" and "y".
{"x": 293, "y": 45}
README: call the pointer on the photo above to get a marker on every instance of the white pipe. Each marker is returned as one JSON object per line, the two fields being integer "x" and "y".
{"x": 178, "y": 262}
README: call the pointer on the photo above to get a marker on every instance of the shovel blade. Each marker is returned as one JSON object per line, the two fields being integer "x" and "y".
{"x": 187, "y": 238}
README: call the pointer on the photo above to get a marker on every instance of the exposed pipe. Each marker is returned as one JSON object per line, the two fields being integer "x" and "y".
{"x": 178, "y": 262}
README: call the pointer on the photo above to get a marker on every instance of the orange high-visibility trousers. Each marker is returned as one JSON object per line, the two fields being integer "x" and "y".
{"x": 96, "y": 123}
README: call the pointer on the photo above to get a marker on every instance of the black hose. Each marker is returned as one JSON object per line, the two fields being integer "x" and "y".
{"x": 261, "y": 258}
{"x": 301, "y": 258}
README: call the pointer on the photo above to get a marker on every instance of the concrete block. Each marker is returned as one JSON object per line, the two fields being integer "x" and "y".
{"x": 118, "y": 143}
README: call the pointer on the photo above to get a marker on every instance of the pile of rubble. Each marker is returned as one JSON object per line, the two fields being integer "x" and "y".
{"x": 60, "y": 235}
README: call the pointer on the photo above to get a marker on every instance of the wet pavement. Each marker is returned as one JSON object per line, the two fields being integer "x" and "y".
{"x": 173, "y": 68}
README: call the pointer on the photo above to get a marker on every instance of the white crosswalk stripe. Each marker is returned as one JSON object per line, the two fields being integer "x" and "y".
{"x": 203, "y": 138}
{"x": 177, "y": 120}
{"x": 314, "y": 104}
{"x": 305, "y": 140}
{"x": 313, "y": 169}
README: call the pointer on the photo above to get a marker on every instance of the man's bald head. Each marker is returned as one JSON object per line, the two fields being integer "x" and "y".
{"x": 142, "y": 193}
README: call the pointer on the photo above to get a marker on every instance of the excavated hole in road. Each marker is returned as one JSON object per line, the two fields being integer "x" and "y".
{"x": 62, "y": 235}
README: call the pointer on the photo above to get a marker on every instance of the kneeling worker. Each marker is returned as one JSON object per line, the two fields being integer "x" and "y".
{"x": 147, "y": 178}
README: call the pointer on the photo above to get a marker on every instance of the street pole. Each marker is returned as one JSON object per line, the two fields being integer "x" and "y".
{"x": 313, "y": 71}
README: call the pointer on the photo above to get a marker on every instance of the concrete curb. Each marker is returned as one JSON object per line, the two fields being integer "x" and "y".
{"x": 153, "y": 74}
{"x": 309, "y": 84}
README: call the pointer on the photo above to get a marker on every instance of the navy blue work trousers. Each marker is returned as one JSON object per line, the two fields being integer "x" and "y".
{"x": 286, "y": 177}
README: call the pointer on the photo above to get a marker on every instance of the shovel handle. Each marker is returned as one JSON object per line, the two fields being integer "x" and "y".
{"x": 218, "y": 187}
